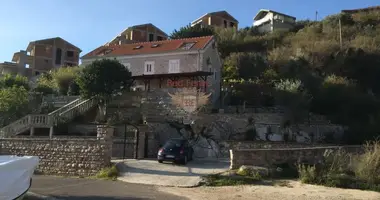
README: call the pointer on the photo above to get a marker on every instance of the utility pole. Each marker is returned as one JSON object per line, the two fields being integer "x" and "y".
{"x": 340, "y": 34}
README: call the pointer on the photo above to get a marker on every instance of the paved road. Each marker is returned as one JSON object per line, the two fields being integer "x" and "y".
{"x": 88, "y": 189}
{"x": 167, "y": 174}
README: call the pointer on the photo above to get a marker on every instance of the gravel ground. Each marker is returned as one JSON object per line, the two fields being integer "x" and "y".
{"x": 166, "y": 174}
{"x": 293, "y": 190}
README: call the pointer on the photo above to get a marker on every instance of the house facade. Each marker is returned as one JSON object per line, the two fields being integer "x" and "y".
{"x": 157, "y": 65}
{"x": 139, "y": 33}
{"x": 217, "y": 19}
{"x": 268, "y": 21}
{"x": 42, "y": 56}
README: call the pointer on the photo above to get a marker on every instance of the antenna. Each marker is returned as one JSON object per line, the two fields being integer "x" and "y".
{"x": 316, "y": 15}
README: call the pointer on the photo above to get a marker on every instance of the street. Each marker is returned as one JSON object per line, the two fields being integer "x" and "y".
{"x": 90, "y": 189}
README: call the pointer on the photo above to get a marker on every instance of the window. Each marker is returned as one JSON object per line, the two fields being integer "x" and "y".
{"x": 137, "y": 47}
{"x": 151, "y": 37}
{"x": 27, "y": 66}
{"x": 155, "y": 45}
{"x": 174, "y": 66}
{"x": 70, "y": 54}
{"x": 225, "y": 24}
{"x": 58, "y": 55}
{"x": 149, "y": 68}
{"x": 37, "y": 73}
{"x": 232, "y": 24}
{"x": 187, "y": 45}
{"x": 159, "y": 38}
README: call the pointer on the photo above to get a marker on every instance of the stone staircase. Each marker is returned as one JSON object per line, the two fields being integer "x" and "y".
{"x": 60, "y": 115}
{"x": 156, "y": 107}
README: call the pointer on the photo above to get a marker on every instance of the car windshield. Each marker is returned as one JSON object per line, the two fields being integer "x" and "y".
{"x": 173, "y": 143}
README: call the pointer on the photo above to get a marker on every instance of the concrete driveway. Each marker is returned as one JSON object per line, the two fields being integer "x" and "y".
{"x": 167, "y": 174}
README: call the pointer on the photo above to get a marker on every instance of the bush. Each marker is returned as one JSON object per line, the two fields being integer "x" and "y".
{"x": 60, "y": 79}
{"x": 367, "y": 166}
{"x": 344, "y": 170}
{"x": 220, "y": 180}
{"x": 108, "y": 173}
{"x": 308, "y": 174}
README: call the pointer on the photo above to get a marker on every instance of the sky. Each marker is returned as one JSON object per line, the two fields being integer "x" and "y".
{"x": 91, "y": 23}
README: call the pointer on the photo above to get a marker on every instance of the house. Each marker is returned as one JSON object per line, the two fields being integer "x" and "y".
{"x": 217, "y": 19}
{"x": 269, "y": 21}
{"x": 139, "y": 33}
{"x": 41, "y": 56}
{"x": 368, "y": 9}
{"x": 155, "y": 65}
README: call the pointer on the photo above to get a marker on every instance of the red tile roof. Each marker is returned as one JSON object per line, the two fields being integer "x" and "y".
{"x": 163, "y": 47}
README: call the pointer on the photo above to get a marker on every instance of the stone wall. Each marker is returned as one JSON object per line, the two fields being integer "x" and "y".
{"x": 270, "y": 157}
{"x": 71, "y": 156}
{"x": 226, "y": 146}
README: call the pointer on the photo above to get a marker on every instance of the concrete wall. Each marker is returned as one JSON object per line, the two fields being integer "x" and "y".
{"x": 70, "y": 156}
{"x": 270, "y": 157}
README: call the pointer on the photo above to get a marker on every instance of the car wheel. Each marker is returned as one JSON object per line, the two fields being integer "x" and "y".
{"x": 184, "y": 161}
{"x": 160, "y": 161}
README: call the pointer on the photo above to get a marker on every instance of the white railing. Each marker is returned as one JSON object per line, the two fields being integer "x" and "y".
{"x": 79, "y": 109}
{"x": 58, "y": 101}
{"x": 67, "y": 112}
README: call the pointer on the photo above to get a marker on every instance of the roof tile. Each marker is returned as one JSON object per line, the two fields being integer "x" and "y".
{"x": 163, "y": 47}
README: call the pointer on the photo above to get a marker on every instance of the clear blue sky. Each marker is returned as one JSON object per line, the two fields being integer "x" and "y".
{"x": 90, "y": 23}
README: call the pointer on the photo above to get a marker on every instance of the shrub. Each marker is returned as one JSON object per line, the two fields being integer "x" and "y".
{"x": 367, "y": 166}
{"x": 308, "y": 174}
{"x": 108, "y": 173}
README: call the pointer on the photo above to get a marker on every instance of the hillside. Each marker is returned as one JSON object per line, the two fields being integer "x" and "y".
{"x": 309, "y": 69}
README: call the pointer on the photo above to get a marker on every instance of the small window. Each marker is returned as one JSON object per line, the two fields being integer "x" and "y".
{"x": 187, "y": 45}
{"x": 155, "y": 45}
{"x": 159, "y": 38}
{"x": 225, "y": 24}
{"x": 174, "y": 66}
{"x": 137, "y": 47}
{"x": 232, "y": 24}
{"x": 27, "y": 66}
{"x": 70, "y": 54}
{"x": 149, "y": 67}
{"x": 151, "y": 37}
{"x": 37, "y": 73}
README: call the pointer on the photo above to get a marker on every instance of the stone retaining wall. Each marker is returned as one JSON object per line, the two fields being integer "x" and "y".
{"x": 225, "y": 146}
{"x": 62, "y": 156}
{"x": 270, "y": 157}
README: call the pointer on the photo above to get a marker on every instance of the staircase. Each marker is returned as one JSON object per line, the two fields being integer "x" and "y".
{"x": 61, "y": 115}
{"x": 156, "y": 107}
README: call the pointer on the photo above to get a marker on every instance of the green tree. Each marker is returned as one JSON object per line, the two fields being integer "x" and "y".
{"x": 13, "y": 104}
{"x": 58, "y": 80}
{"x": 9, "y": 80}
{"x": 102, "y": 79}
{"x": 244, "y": 65}
{"x": 191, "y": 31}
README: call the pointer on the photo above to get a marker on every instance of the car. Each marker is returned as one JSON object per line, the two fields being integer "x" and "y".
{"x": 176, "y": 151}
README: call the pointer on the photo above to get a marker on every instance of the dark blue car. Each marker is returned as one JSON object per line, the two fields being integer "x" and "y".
{"x": 176, "y": 150}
